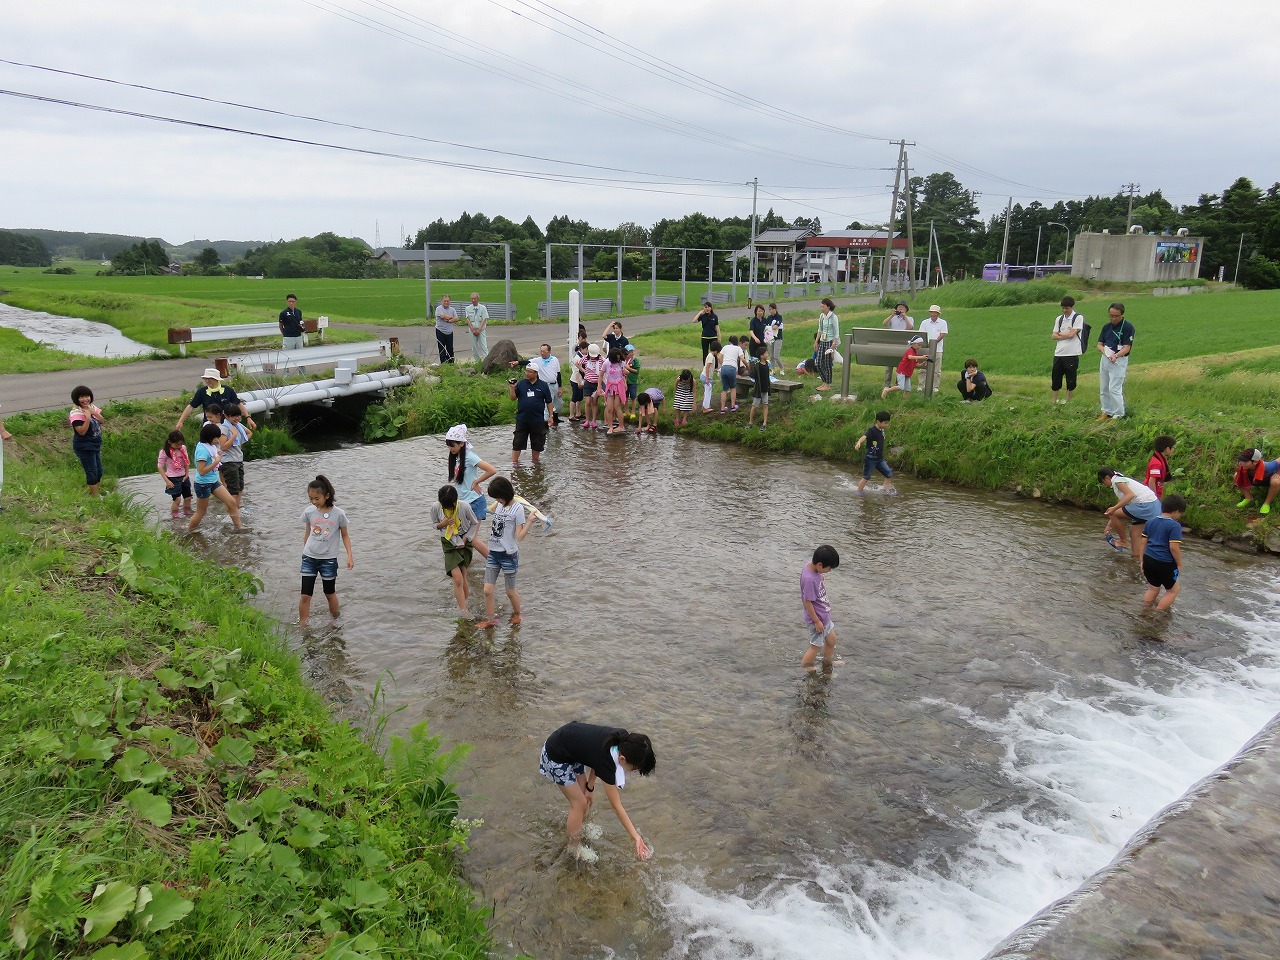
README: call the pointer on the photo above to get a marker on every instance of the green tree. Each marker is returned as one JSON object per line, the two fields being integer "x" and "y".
{"x": 21, "y": 250}
{"x": 941, "y": 199}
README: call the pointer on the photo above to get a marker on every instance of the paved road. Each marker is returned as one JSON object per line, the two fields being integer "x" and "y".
{"x": 22, "y": 392}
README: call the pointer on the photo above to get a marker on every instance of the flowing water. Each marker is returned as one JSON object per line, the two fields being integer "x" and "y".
{"x": 72, "y": 334}
{"x": 1005, "y": 718}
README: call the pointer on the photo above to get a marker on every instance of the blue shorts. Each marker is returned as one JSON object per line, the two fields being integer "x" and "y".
{"x": 325, "y": 569}
{"x": 871, "y": 464}
{"x": 479, "y": 506}
{"x": 564, "y": 774}
{"x": 1140, "y": 513}
{"x": 205, "y": 490}
{"x": 178, "y": 487}
{"x": 728, "y": 377}
{"x": 501, "y": 561}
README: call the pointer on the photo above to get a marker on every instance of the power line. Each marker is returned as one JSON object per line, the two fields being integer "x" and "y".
{"x": 625, "y": 109}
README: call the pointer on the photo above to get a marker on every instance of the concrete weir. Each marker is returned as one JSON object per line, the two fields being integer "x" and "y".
{"x": 345, "y": 383}
{"x": 1202, "y": 879}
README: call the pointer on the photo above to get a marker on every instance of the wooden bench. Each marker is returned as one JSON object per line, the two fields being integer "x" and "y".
{"x": 497, "y": 311}
{"x": 783, "y": 388}
{"x": 663, "y": 301}
{"x": 560, "y": 308}
{"x": 235, "y": 331}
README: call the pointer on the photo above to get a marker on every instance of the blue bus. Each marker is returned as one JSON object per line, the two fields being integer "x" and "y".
{"x": 1013, "y": 273}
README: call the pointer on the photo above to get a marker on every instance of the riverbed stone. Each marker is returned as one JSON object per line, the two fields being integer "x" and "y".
{"x": 500, "y": 357}
{"x": 1271, "y": 541}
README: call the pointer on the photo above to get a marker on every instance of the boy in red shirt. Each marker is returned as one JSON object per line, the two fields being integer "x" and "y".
{"x": 1158, "y": 465}
{"x": 907, "y": 366}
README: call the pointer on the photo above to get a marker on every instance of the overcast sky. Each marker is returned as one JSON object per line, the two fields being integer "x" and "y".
{"x": 1039, "y": 100}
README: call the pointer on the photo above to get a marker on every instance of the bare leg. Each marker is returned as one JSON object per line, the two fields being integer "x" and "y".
{"x": 304, "y": 608}
{"x": 1149, "y": 597}
{"x": 514, "y": 597}
{"x": 332, "y": 600}
{"x": 229, "y": 502}
{"x": 578, "y": 807}
{"x": 202, "y": 507}
{"x": 1169, "y": 596}
{"x": 459, "y": 577}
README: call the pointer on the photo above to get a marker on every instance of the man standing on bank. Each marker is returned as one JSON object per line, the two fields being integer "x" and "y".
{"x": 1068, "y": 344}
{"x": 291, "y": 330}
{"x": 446, "y": 318}
{"x": 935, "y": 331}
{"x": 477, "y": 317}
{"x": 710, "y": 326}
{"x": 1115, "y": 343}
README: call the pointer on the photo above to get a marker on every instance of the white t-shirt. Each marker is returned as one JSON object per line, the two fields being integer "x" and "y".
{"x": 1068, "y": 348}
{"x": 730, "y": 355}
{"x": 933, "y": 329}
{"x": 1141, "y": 492}
{"x": 548, "y": 370}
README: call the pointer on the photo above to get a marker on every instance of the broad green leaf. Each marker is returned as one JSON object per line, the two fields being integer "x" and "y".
{"x": 150, "y": 807}
{"x": 305, "y": 839}
{"x": 165, "y": 908}
{"x": 25, "y": 929}
{"x": 286, "y": 861}
{"x": 371, "y": 856}
{"x": 365, "y": 893}
{"x": 234, "y": 752}
{"x": 146, "y": 556}
{"x": 246, "y": 845}
{"x": 111, "y": 903}
{"x": 88, "y": 748}
{"x": 271, "y": 803}
{"x": 136, "y": 765}
{"x": 126, "y": 951}
{"x": 171, "y": 679}
{"x": 180, "y": 745}
{"x": 239, "y": 813}
{"x": 93, "y": 719}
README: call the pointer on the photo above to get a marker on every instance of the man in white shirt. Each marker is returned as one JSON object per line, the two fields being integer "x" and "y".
{"x": 935, "y": 329}
{"x": 477, "y": 317}
{"x": 549, "y": 373}
{"x": 1066, "y": 348}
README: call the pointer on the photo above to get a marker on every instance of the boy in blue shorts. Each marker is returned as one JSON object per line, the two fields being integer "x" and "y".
{"x": 874, "y": 459}
{"x": 1162, "y": 558}
{"x": 507, "y": 527}
{"x": 817, "y": 608}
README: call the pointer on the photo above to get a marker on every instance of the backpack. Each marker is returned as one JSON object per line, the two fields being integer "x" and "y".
{"x": 1084, "y": 338}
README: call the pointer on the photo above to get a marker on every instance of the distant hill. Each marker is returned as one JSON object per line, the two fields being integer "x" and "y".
{"x": 94, "y": 246}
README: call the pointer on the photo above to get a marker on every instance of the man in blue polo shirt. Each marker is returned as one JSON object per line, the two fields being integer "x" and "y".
{"x": 533, "y": 410}
{"x": 291, "y": 330}
{"x": 1115, "y": 343}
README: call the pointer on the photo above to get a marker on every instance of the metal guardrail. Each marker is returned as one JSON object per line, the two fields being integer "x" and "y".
{"x": 294, "y": 361}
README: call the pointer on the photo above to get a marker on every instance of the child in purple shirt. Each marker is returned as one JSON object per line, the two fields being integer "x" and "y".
{"x": 817, "y": 608}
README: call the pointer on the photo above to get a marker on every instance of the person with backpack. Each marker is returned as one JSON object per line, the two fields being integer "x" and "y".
{"x": 1070, "y": 334}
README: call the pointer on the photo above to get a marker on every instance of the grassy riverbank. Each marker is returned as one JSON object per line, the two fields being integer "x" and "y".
{"x": 169, "y": 786}
{"x": 1017, "y": 441}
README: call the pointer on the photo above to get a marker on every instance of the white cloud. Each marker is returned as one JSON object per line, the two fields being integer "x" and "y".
{"x": 1067, "y": 99}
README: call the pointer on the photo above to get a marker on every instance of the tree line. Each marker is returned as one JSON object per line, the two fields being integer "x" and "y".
{"x": 964, "y": 241}
{"x": 22, "y": 250}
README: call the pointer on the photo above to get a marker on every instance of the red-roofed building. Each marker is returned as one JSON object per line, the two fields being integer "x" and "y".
{"x": 848, "y": 256}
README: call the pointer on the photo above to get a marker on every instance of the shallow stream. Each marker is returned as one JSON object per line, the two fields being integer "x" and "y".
{"x": 72, "y": 334}
{"x": 1005, "y": 719}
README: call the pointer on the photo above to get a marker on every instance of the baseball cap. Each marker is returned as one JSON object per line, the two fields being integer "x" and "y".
{"x": 531, "y": 366}
{"x": 457, "y": 434}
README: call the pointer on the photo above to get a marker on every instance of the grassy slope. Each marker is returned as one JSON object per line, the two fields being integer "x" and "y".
{"x": 157, "y": 740}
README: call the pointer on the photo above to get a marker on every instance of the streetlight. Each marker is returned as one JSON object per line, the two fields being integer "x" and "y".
{"x": 1066, "y": 252}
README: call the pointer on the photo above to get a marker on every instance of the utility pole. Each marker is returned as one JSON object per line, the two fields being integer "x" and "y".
{"x": 1131, "y": 188}
{"x": 751, "y": 285}
{"x": 911, "y": 239}
{"x": 1004, "y": 250}
{"x": 1235, "y": 277}
{"x": 893, "y": 213}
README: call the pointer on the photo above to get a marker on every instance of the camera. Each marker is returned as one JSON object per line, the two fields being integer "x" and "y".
{"x": 512, "y": 380}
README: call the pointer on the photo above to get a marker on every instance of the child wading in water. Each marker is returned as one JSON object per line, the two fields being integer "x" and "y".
{"x": 1162, "y": 558}
{"x": 323, "y": 523}
{"x": 458, "y": 527}
{"x": 684, "y": 398}
{"x": 817, "y": 608}
{"x": 173, "y": 464}
{"x": 507, "y": 527}
{"x": 578, "y": 755}
{"x": 208, "y": 482}
{"x": 873, "y": 459}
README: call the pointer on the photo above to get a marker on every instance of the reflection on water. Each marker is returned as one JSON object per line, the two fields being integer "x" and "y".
{"x": 71, "y": 334}
{"x": 1005, "y": 718}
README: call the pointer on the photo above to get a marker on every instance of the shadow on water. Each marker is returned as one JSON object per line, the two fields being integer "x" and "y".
{"x": 1006, "y": 716}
